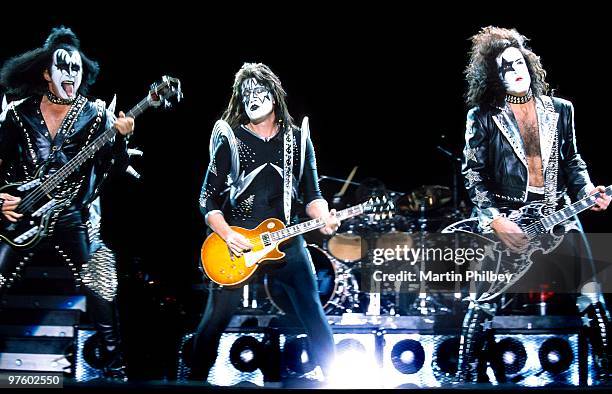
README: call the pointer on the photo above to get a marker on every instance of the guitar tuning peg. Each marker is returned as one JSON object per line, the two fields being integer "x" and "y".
{"x": 384, "y": 198}
{"x": 377, "y": 217}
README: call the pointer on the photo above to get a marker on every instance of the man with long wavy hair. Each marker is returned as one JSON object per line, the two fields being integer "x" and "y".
{"x": 520, "y": 147}
{"x": 247, "y": 153}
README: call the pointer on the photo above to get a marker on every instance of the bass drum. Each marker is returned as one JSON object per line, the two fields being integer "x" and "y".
{"x": 337, "y": 286}
{"x": 347, "y": 247}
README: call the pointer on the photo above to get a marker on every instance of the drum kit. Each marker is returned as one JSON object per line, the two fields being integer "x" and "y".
{"x": 339, "y": 260}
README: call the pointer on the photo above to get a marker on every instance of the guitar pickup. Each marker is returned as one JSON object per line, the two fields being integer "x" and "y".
{"x": 44, "y": 208}
{"x": 265, "y": 238}
{"x": 29, "y": 185}
{"x": 27, "y": 235}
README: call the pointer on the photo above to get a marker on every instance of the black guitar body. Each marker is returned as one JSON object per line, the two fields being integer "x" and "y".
{"x": 40, "y": 209}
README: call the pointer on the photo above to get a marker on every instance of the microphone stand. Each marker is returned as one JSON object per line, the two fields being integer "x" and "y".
{"x": 456, "y": 163}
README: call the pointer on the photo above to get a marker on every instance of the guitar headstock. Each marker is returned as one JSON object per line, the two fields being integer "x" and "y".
{"x": 380, "y": 207}
{"x": 162, "y": 92}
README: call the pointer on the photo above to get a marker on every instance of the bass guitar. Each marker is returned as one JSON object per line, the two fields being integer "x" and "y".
{"x": 46, "y": 194}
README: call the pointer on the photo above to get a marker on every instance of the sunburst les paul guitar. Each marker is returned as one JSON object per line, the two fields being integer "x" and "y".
{"x": 225, "y": 269}
{"x": 46, "y": 194}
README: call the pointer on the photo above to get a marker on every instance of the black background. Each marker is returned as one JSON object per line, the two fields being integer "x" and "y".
{"x": 381, "y": 87}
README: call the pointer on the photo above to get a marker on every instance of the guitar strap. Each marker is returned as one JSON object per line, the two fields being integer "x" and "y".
{"x": 550, "y": 180}
{"x": 287, "y": 173}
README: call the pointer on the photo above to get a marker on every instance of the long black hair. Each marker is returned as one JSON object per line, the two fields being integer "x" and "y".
{"x": 235, "y": 114}
{"x": 22, "y": 75}
{"x": 485, "y": 87}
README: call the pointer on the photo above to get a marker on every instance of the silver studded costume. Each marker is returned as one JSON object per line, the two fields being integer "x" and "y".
{"x": 100, "y": 271}
{"x": 248, "y": 186}
{"x": 25, "y": 143}
{"x": 238, "y": 157}
{"x": 496, "y": 174}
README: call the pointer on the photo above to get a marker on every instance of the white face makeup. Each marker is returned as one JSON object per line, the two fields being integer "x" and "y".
{"x": 257, "y": 99}
{"x": 513, "y": 71}
{"x": 66, "y": 73}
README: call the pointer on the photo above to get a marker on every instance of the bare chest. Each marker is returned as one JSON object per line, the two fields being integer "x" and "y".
{"x": 527, "y": 122}
{"x": 54, "y": 117}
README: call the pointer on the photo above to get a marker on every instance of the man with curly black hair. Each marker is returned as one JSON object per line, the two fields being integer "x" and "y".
{"x": 49, "y": 122}
{"x": 520, "y": 147}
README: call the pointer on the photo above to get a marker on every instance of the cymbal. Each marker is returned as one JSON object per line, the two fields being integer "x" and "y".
{"x": 426, "y": 197}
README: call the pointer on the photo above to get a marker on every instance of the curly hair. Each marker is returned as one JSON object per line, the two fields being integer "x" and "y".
{"x": 235, "y": 114}
{"x": 485, "y": 86}
{"x": 22, "y": 75}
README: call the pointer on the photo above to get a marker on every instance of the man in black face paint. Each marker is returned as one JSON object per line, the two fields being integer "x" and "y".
{"x": 247, "y": 147}
{"x": 51, "y": 121}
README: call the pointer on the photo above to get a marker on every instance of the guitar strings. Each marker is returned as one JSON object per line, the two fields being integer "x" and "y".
{"x": 32, "y": 198}
{"x": 298, "y": 233}
{"x": 40, "y": 191}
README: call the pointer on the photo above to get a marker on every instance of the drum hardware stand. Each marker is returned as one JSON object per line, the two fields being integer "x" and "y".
{"x": 350, "y": 182}
{"x": 422, "y": 301}
{"x": 249, "y": 300}
{"x": 338, "y": 196}
{"x": 374, "y": 295}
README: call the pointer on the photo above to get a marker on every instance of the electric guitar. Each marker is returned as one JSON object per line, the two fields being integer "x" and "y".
{"x": 539, "y": 231}
{"x": 44, "y": 195}
{"x": 225, "y": 269}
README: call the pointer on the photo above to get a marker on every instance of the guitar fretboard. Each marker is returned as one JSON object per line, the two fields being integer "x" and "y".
{"x": 314, "y": 224}
{"x": 90, "y": 150}
{"x": 561, "y": 215}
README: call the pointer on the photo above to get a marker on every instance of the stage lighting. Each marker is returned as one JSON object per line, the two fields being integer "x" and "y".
{"x": 355, "y": 365}
{"x": 296, "y": 355}
{"x": 512, "y": 355}
{"x": 537, "y": 360}
{"x": 88, "y": 358}
{"x": 555, "y": 355}
{"x": 408, "y": 356}
{"x": 239, "y": 360}
{"x": 411, "y": 359}
{"x": 445, "y": 359}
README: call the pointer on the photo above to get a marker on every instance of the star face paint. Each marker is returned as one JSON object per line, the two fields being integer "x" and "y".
{"x": 257, "y": 99}
{"x": 513, "y": 71}
{"x": 66, "y": 73}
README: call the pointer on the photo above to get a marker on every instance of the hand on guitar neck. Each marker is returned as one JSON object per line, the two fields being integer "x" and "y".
{"x": 510, "y": 234}
{"x": 602, "y": 202}
{"x": 319, "y": 209}
{"x": 124, "y": 125}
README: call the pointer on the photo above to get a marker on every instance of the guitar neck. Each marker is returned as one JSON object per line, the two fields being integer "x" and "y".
{"x": 561, "y": 215}
{"x": 302, "y": 228}
{"x": 90, "y": 150}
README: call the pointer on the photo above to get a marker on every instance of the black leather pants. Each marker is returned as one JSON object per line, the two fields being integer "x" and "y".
{"x": 295, "y": 274}
{"x": 70, "y": 243}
